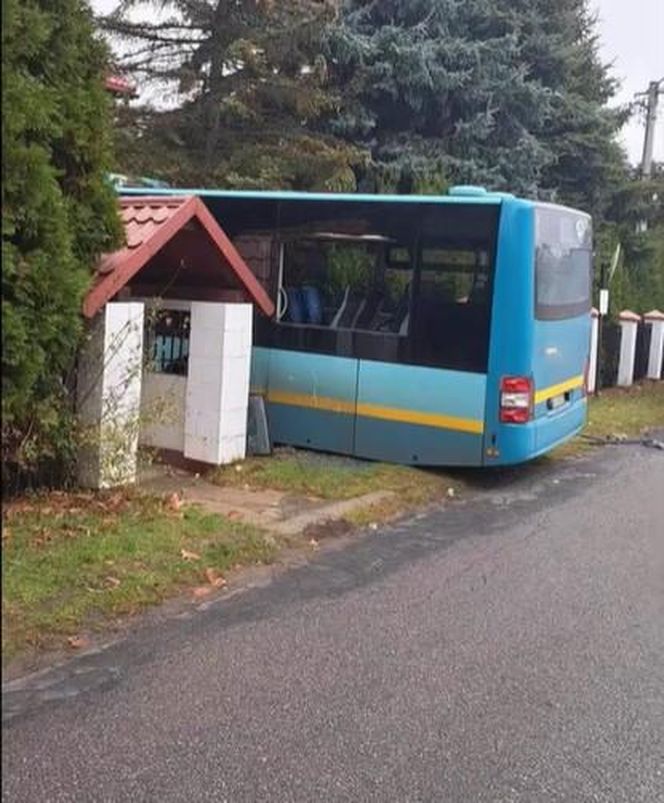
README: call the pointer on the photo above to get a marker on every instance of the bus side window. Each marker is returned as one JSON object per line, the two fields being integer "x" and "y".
{"x": 455, "y": 275}
{"x": 345, "y": 282}
{"x": 452, "y": 308}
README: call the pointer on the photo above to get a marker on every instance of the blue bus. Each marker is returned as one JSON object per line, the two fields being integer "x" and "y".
{"x": 432, "y": 330}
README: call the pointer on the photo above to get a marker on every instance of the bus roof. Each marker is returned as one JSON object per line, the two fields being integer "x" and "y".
{"x": 485, "y": 197}
{"x": 455, "y": 195}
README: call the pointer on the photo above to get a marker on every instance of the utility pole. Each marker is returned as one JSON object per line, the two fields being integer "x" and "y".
{"x": 652, "y": 95}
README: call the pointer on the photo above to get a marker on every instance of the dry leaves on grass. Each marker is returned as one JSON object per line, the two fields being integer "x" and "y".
{"x": 214, "y": 578}
{"x": 108, "y": 585}
{"x": 185, "y": 554}
{"x": 174, "y": 502}
{"x": 44, "y": 537}
{"x": 78, "y": 642}
{"x": 61, "y": 503}
{"x": 112, "y": 582}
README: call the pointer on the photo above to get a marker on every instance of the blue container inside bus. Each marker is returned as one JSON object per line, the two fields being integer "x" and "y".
{"x": 432, "y": 330}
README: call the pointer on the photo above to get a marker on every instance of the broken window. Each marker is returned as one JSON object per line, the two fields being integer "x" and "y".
{"x": 344, "y": 282}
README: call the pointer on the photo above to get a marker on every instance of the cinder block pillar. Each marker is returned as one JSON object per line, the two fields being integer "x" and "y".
{"x": 218, "y": 382}
{"x": 655, "y": 319}
{"x": 109, "y": 396}
{"x": 594, "y": 339}
{"x": 629, "y": 322}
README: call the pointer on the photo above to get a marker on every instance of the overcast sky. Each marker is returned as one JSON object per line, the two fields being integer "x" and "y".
{"x": 632, "y": 32}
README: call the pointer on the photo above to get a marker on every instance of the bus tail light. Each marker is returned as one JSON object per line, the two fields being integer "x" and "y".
{"x": 516, "y": 400}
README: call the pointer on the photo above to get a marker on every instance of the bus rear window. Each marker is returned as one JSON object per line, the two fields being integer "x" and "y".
{"x": 563, "y": 264}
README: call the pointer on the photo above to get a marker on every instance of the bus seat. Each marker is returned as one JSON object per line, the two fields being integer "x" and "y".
{"x": 338, "y": 315}
{"x": 350, "y": 311}
{"x": 400, "y": 317}
{"x": 295, "y": 312}
{"x": 313, "y": 305}
{"x": 370, "y": 317}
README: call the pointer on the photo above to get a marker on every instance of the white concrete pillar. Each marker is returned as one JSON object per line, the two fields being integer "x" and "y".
{"x": 655, "y": 319}
{"x": 109, "y": 396}
{"x": 218, "y": 382}
{"x": 629, "y": 322}
{"x": 594, "y": 337}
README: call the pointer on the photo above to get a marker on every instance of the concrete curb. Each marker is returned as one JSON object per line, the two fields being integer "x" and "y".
{"x": 331, "y": 512}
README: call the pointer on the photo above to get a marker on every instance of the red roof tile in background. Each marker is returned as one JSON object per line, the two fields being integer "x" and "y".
{"x": 150, "y": 222}
{"x": 120, "y": 86}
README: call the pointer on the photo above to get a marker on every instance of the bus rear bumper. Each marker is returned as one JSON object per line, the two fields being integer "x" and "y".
{"x": 519, "y": 443}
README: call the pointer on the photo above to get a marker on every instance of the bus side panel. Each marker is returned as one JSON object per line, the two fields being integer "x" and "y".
{"x": 412, "y": 414}
{"x": 512, "y": 331}
{"x": 311, "y": 400}
{"x": 561, "y": 350}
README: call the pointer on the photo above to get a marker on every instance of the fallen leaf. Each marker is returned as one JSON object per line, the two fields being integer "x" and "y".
{"x": 113, "y": 502}
{"x": 174, "y": 502}
{"x": 234, "y": 514}
{"x": 202, "y": 591}
{"x": 78, "y": 642}
{"x": 214, "y": 578}
{"x": 112, "y": 582}
{"x": 187, "y": 555}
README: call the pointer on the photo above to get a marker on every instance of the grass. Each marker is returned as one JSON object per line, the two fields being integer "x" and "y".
{"x": 620, "y": 412}
{"x": 77, "y": 561}
{"x": 331, "y": 477}
{"x": 627, "y": 411}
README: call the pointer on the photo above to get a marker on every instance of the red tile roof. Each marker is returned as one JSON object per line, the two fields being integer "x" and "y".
{"x": 152, "y": 222}
{"x": 118, "y": 85}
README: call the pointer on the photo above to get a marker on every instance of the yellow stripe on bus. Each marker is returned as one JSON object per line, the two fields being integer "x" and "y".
{"x": 557, "y": 390}
{"x": 326, "y": 403}
{"x": 424, "y": 419}
{"x": 376, "y": 411}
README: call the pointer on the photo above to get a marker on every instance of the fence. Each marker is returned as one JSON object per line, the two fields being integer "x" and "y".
{"x": 630, "y": 349}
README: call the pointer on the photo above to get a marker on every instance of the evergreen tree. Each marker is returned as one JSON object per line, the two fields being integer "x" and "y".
{"x": 505, "y": 93}
{"x": 58, "y": 213}
{"x": 635, "y": 220}
{"x": 559, "y": 45}
{"x": 252, "y": 80}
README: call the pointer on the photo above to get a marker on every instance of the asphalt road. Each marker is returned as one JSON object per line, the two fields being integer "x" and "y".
{"x": 508, "y": 648}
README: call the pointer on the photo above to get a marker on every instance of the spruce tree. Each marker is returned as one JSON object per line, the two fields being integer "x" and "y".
{"x": 252, "y": 81}
{"x": 506, "y": 93}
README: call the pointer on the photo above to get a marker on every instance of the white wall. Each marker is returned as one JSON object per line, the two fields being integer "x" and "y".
{"x": 218, "y": 382}
{"x": 163, "y": 411}
{"x": 109, "y": 395}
